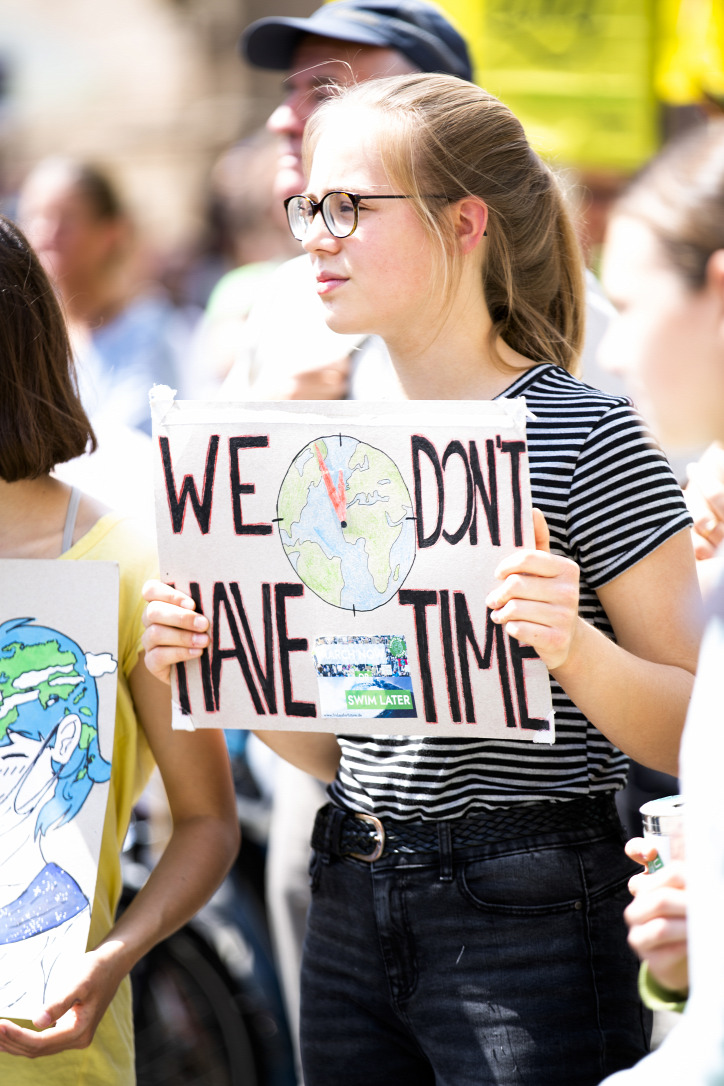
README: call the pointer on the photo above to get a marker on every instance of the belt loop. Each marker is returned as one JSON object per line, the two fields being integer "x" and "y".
{"x": 331, "y": 818}
{"x": 333, "y": 829}
{"x": 444, "y": 838}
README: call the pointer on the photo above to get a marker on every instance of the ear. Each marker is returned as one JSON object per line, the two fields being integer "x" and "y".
{"x": 67, "y": 738}
{"x": 116, "y": 238}
{"x": 715, "y": 272}
{"x": 470, "y": 218}
{"x": 715, "y": 284}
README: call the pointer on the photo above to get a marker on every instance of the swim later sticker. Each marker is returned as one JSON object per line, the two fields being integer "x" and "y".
{"x": 364, "y": 675}
{"x": 343, "y": 553}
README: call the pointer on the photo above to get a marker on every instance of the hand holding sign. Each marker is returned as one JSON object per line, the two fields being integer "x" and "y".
{"x": 538, "y": 600}
{"x": 174, "y": 633}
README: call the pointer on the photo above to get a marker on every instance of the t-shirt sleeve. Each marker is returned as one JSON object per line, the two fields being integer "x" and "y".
{"x": 624, "y": 500}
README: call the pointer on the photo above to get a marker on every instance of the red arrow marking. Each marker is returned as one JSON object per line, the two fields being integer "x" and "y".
{"x": 336, "y": 495}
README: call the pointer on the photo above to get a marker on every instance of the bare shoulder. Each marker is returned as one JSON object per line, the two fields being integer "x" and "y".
{"x": 90, "y": 511}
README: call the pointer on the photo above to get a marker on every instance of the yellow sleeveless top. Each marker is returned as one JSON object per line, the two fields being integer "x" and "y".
{"x": 109, "y": 1061}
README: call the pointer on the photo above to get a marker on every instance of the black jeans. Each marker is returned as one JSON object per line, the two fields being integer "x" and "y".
{"x": 507, "y": 964}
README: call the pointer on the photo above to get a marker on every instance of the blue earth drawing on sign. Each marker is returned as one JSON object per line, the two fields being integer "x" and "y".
{"x": 346, "y": 522}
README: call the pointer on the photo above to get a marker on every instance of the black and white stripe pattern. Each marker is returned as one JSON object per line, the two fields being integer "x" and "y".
{"x": 610, "y": 498}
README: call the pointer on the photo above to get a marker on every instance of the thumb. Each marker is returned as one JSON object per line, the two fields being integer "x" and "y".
{"x": 53, "y": 1011}
{"x": 542, "y": 535}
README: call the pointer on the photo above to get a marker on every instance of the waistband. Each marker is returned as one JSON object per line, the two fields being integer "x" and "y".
{"x": 363, "y": 836}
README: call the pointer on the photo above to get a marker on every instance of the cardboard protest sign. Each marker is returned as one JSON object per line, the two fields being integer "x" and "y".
{"x": 343, "y": 553}
{"x": 58, "y": 664}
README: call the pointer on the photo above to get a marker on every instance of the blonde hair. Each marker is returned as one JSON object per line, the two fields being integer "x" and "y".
{"x": 444, "y": 136}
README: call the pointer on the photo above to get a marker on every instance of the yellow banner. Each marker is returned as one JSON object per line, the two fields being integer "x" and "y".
{"x": 690, "y": 51}
{"x": 578, "y": 73}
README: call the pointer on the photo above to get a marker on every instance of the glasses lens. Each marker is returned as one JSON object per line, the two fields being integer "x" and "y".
{"x": 340, "y": 213}
{"x": 299, "y": 215}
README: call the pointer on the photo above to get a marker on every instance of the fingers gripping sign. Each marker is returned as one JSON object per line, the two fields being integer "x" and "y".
{"x": 174, "y": 631}
{"x": 537, "y": 601}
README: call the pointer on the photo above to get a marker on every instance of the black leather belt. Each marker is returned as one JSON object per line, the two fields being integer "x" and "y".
{"x": 365, "y": 837}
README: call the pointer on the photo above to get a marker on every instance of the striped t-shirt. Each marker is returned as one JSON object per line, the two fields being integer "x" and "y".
{"x": 610, "y": 498}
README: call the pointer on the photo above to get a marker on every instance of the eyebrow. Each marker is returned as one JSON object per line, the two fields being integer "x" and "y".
{"x": 339, "y": 188}
{"x": 314, "y": 83}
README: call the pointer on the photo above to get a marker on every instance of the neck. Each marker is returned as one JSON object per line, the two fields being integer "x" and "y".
{"x": 454, "y": 360}
{"x": 94, "y": 300}
{"x": 33, "y": 517}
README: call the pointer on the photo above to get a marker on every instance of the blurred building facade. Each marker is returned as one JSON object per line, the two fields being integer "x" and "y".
{"x": 152, "y": 90}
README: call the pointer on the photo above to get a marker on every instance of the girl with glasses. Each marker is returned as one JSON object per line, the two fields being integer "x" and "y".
{"x": 487, "y": 945}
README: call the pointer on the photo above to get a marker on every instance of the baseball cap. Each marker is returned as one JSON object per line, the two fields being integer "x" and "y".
{"x": 416, "y": 29}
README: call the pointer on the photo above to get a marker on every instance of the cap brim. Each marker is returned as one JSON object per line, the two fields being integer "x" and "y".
{"x": 270, "y": 43}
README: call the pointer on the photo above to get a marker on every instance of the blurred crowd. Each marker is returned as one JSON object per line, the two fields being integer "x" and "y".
{"x": 240, "y": 322}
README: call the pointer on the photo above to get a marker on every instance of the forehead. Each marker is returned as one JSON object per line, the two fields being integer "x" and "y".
{"x": 632, "y": 254}
{"x": 347, "y": 152}
{"x": 51, "y": 189}
{"x": 342, "y": 62}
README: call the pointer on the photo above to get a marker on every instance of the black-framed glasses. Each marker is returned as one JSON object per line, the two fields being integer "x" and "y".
{"x": 340, "y": 211}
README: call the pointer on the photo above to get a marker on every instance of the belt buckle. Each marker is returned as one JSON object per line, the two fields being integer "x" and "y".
{"x": 370, "y": 857}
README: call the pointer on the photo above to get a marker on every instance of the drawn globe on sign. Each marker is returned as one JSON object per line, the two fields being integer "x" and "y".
{"x": 346, "y": 522}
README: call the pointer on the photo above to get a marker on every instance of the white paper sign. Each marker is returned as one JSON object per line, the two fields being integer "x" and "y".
{"x": 343, "y": 553}
{"x": 58, "y": 664}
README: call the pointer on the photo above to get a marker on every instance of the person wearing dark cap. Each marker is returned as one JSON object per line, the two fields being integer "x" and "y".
{"x": 417, "y": 30}
{"x": 346, "y": 41}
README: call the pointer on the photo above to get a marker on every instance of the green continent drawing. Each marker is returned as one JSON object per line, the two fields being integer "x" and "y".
{"x": 345, "y": 522}
{"x": 41, "y": 671}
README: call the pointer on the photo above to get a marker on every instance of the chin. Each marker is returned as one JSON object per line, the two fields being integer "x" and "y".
{"x": 344, "y": 327}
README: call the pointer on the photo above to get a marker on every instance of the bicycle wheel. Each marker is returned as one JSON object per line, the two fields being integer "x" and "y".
{"x": 189, "y": 1028}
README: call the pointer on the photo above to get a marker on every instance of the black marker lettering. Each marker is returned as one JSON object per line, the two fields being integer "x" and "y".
{"x": 177, "y": 505}
{"x": 206, "y": 684}
{"x": 238, "y": 488}
{"x": 448, "y": 650}
{"x": 488, "y": 495}
{"x": 519, "y": 653}
{"x": 515, "y": 449}
{"x": 456, "y": 448}
{"x": 494, "y": 643}
{"x": 265, "y": 677}
{"x": 419, "y": 600}
{"x": 422, "y": 445}
{"x": 238, "y": 652}
{"x": 287, "y": 644}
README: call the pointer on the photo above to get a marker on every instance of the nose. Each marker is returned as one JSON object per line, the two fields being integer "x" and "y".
{"x": 44, "y": 230}
{"x": 288, "y": 119}
{"x": 318, "y": 237}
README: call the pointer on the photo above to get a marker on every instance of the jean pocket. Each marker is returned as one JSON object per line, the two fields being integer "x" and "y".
{"x": 526, "y": 883}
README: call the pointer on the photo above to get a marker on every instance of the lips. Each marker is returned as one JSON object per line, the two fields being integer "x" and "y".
{"x": 329, "y": 281}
